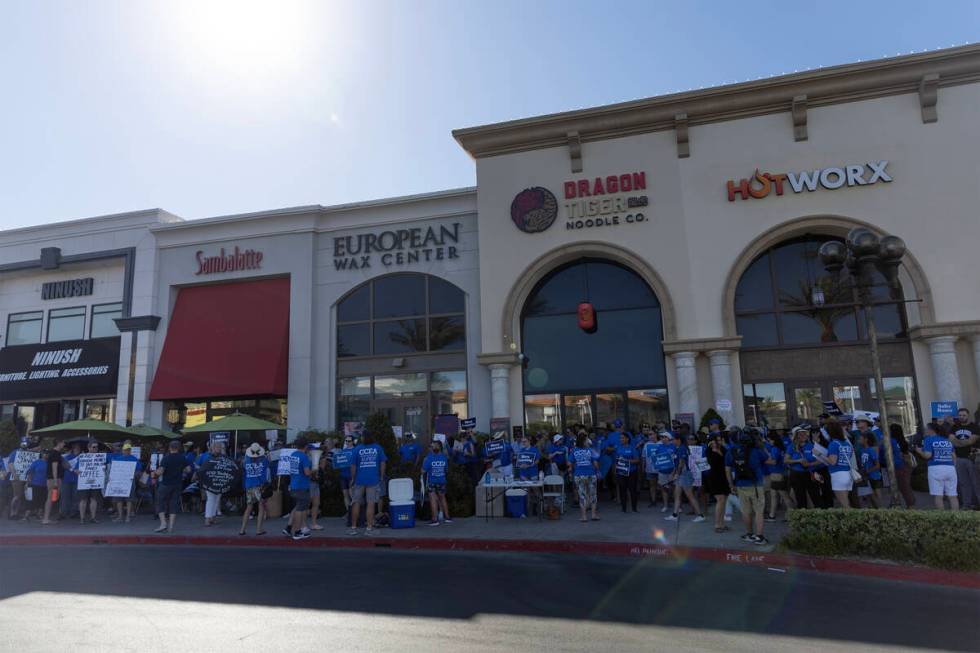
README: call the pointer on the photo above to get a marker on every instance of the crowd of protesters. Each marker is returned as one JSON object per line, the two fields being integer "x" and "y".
{"x": 750, "y": 470}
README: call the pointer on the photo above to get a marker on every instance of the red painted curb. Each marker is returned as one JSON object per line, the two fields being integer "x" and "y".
{"x": 776, "y": 561}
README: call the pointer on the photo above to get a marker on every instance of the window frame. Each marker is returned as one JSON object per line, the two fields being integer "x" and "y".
{"x": 11, "y": 320}
{"x": 93, "y": 313}
{"x": 51, "y": 318}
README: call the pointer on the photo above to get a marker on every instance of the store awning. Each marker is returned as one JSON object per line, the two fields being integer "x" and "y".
{"x": 226, "y": 340}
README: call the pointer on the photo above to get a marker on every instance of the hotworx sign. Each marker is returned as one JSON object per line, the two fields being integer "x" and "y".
{"x": 588, "y": 203}
{"x": 764, "y": 184}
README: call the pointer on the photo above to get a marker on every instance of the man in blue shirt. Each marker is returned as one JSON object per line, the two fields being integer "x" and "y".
{"x": 342, "y": 460}
{"x": 744, "y": 470}
{"x": 300, "y": 470}
{"x": 67, "y": 505}
{"x": 410, "y": 452}
{"x": 527, "y": 461}
{"x": 367, "y": 470}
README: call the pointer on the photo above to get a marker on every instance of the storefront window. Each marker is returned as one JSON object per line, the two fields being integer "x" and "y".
{"x": 354, "y": 402}
{"x": 610, "y": 407}
{"x": 66, "y": 324}
{"x": 848, "y": 397}
{"x": 401, "y": 314}
{"x": 899, "y": 401}
{"x": 542, "y": 413}
{"x": 100, "y": 409}
{"x": 578, "y": 411}
{"x": 448, "y": 390}
{"x": 400, "y": 386}
{"x": 102, "y": 320}
{"x": 809, "y": 403}
{"x": 765, "y": 405}
{"x": 24, "y": 328}
{"x": 647, "y": 407}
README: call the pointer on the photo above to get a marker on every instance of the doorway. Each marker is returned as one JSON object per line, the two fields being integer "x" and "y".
{"x": 411, "y": 414}
{"x": 807, "y": 398}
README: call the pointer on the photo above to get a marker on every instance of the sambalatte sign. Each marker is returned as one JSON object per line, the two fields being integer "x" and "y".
{"x": 72, "y": 368}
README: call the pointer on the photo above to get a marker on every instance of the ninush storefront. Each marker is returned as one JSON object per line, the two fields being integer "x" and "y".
{"x": 640, "y": 261}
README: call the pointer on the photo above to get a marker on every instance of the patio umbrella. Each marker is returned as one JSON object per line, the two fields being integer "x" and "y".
{"x": 147, "y": 431}
{"x": 235, "y": 422}
{"x": 85, "y": 427}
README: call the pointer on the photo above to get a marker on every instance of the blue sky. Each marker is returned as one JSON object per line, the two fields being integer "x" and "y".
{"x": 210, "y": 108}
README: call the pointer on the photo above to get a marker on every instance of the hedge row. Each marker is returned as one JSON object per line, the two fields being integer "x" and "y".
{"x": 947, "y": 540}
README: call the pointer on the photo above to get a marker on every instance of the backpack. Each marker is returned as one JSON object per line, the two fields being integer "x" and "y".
{"x": 740, "y": 460}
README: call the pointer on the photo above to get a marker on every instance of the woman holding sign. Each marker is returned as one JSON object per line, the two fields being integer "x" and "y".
{"x": 627, "y": 474}
{"x": 91, "y": 480}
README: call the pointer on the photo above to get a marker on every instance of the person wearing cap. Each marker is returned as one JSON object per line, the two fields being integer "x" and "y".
{"x": 255, "y": 480}
{"x": 300, "y": 473}
{"x": 497, "y": 455}
{"x": 558, "y": 454}
{"x": 683, "y": 479}
{"x": 126, "y": 455}
{"x": 170, "y": 472}
{"x": 410, "y": 451}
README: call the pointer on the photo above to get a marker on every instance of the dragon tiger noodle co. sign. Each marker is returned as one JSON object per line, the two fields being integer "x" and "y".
{"x": 588, "y": 203}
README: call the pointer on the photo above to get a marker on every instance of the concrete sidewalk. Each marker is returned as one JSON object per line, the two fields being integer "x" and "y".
{"x": 648, "y": 526}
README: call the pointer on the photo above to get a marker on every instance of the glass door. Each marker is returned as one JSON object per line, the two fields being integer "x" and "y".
{"x": 807, "y": 402}
{"x": 410, "y": 414}
{"x": 851, "y": 395}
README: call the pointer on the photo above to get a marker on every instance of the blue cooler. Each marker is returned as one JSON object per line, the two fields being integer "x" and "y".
{"x": 401, "y": 497}
{"x": 517, "y": 503}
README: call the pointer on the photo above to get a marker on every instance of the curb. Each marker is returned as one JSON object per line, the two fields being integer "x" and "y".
{"x": 773, "y": 561}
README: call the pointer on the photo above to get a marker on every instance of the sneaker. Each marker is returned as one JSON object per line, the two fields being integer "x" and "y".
{"x": 663, "y": 509}
{"x": 447, "y": 521}
{"x": 748, "y": 537}
{"x": 728, "y": 517}
{"x": 770, "y": 519}
{"x": 369, "y": 530}
{"x": 287, "y": 532}
{"x": 671, "y": 518}
{"x": 433, "y": 523}
{"x": 301, "y": 535}
{"x": 352, "y": 531}
{"x": 760, "y": 540}
{"x": 318, "y": 527}
{"x": 699, "y": 518}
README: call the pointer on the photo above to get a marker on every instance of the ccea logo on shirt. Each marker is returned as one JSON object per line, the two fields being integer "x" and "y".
{"x": 367, "y": 457}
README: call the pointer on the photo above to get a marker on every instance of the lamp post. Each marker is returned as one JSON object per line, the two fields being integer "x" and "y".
{"x": 862, "y": 253}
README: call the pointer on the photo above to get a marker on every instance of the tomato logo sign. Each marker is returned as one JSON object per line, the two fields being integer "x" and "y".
{"x": 534, "y": 209}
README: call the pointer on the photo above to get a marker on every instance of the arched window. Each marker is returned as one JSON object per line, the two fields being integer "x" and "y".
{"x": 614, "y": 371}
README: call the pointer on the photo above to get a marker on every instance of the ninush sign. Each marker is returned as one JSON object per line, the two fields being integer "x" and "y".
{"x": 763, "y": 184}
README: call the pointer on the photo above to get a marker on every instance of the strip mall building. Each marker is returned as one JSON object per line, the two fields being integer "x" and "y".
{"x": 640, "y": 260}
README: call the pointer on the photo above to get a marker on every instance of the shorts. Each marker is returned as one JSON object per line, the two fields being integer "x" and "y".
{"x": 253, "y": 495}
{"x": 942, "y": 481}
{"x": 85, "y": 495}
{"x": 301, "y": 498}
{"x": 344, "y": 483}
{"x": 168, "y": 499}
{"x": 437, "y": 488}
{"x": 359, "y": 493}
{"x": 314, "y": 490}
{"x": 586, "y": 488}
{"x": 685, "y": 479}
{"x": 751, "y": 499}
{"x": 876, "y": 483}
{"x": 39, "y": 494}
{"x": 841, "y": 481}
{"x": 777, "y": 481}
{"x": 663, "y": 478}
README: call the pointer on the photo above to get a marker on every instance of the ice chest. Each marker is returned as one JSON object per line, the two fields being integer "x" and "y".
{"x": 401, "y": 497}
{"x": 517, "y": 503}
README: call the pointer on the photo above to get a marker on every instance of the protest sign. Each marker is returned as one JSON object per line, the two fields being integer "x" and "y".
{"x": 468, "y": 423}
{"x": 698, "y": 462}
{"x": 286, "y": 462}
{"x": 219, "y": 475}
{"x": 91, "y": 471}
{"x": 22, "y": 462}
{"x": 120, "y": 482}
{"x": 447, "y": 424}
{"x": 397, "y": 430}
{"x": 155, "y": 459}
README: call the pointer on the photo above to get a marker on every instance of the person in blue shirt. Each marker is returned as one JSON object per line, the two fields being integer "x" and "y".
{"x": 776, "y": 483}
{"x": 744, "y": 463}
{"x": 664, "y": 464}
{"x": 648, "y": 457}
{"x": 367, "y": 470}
{"x": 67, "y": 505}
{"x": 471, "y": 456}
{"x": 126, "y": 455}
{"x": 37, "y": 478}
{"x": 342, "y": 460}
{"x": 558, "y": 454}
{"x": 938, "y": 450}
{"x": 870, "y": 465}
{"x": 255, "y": 478}
{"x": 300, "y": 471}
{"x": 839, "y": 454}
{"x": 410, "y": 452}
{"x": 627, "y": 465}
{"x": 436, "y": 466}
{"x": 527, "y": 460}
{"x": 498, "y": 455}
{"x": 584, "y": 467}
{"x": 682, "y": 477}
{"x": 799, "y": 458}
{"x": 610, "y": 442}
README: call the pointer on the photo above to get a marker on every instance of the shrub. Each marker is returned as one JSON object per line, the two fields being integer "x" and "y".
{"x": 9, "y": 440}
{"x": 378, "y": 424}
{"x": 460, "y": 492}
{"x": 709, "y": 415}
{"x": 948, "y": 540}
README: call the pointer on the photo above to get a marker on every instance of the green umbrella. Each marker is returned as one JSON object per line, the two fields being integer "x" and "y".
{"x": 235, "y": 422}
{"x": 146, "y": 431}
{"x": 85, "y": 427}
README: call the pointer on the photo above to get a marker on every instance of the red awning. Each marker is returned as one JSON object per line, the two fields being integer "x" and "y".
{"x": 226, "y": 340}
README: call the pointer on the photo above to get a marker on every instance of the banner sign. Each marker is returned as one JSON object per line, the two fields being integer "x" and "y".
{"x": 71, "y": 368}
{"x": 447, "y": 424}
{"x": 220, "y": 437}
{"x": 944, "y": 408}
{"x": 468, "y": 423}
{"x": 832, "y": 408}
{"x": 397, "y": 430}
{"x": 220, "y": 475}
{"x": 22, "y": 462}
{"x": 155, "y": 459}
{"x": 91, "y": 471}
{"x": 121, "y": 475}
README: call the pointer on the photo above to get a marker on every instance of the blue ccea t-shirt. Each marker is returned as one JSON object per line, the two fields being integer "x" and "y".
{"x": 776, "y": 455}
{"x": 38, "y": 472}
{"x": 624, "y": 452}
{"x": 756, "y": 459}
{"x": 297, "y": 479}
{"x": 256, "y": 472}
{"x": 844, "y": 450}
{"x": 342, "y": 460}
{"x": 868, "y": 459}
{"x": 435, "y": 465}
{"x": 527, "y": 463}
{"x": 410, "y": 451}
{"x": 558, "y": 452}
{"x": 940, "y": 448}
{"x": 367, "y": 460}
{"x": 583, "y": 459}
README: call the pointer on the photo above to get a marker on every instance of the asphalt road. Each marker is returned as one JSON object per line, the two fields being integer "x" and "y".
{"x": 214, "y": 599}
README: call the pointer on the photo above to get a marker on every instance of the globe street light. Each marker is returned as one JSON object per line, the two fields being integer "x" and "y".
{"x": 861, "y": 253}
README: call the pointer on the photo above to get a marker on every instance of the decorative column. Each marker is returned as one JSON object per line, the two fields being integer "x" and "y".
{"x": 942, "y": 352}
{"x": 687, "y": 383}
{"x": 500, "y": 389}
{"x": 721, "y": 383}
{"x": 976, "y": 356}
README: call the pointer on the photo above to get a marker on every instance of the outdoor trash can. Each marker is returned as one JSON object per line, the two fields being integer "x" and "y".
{"x": 517, "y": 503}
{"x": 401, "y": 498}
